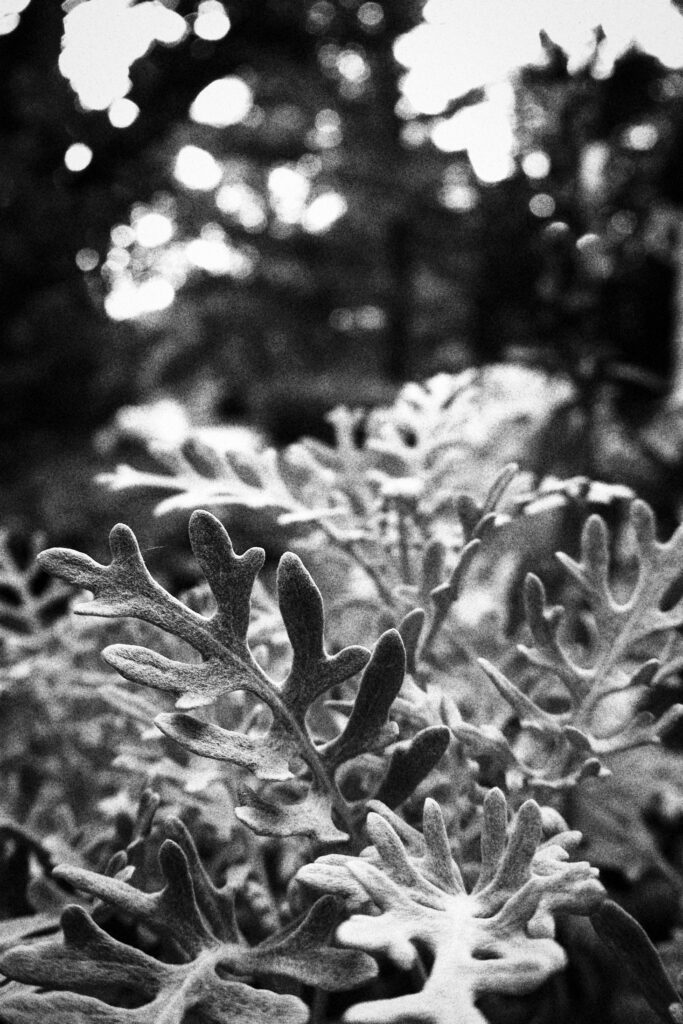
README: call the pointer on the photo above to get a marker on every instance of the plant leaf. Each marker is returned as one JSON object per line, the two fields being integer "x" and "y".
{"x": 125, "y": 588}
{"x": 412, "y": 762}
{"x": 498, "y": 939}
{"x": 208, "y": 978}
{"x": 379, "y": 686}
{"x": 638, "y": 958}
{"x": 313, "y": 671}
{"x": 260, "y": 756}
{"x": 311, "y": 816}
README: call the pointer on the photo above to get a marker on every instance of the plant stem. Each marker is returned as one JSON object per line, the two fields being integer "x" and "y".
{"x": 318, "y": 1007}
{"x": 353, "y": 551}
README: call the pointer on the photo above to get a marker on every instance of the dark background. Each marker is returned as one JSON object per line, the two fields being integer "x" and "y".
{"x": 429, "y": 269}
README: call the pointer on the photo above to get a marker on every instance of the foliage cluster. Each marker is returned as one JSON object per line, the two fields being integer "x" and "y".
{"x": 363, "y": 801}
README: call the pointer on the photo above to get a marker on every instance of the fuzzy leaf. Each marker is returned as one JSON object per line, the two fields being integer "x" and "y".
{"x": 195, "y": 685}
{"x": 485, "y": 741}
{"x": 91, "y": 961}
{"x": 379, "y": 686}
{"x": 618, "y": 625}
{"x": 313, "y": 671}
{"x": 209, "y": 979}
{"x": 17, "y": 929}
{"x": 615, "y": 814}
{"x": 412, "y": 762}
{"x": 559, "y": 749}
{"x": 446, "y": 594}
{"x": 638, "y": 958}
{"x": 125, "y": 588}
{"x": 410, "y": 628}
{"x": 304, "y": 954}
{"x": 497, "y": 939}
{"x": 230, "y": 576}
{"x": 526, "y": 709}
{"x": 27, "y": 606}
{"x": 311, "y": 816}
{"x": 260, "y": 756}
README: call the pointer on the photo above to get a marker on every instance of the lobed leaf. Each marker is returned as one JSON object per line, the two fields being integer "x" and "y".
{"x": 411, "y": 762}
{"x": 311, "y": 816}
{"x": 258, "y": 755}
{"x": 497, "y": 939}
{"x": 618, "y": 625}
{"x": 209, "y": 976}
{"x": 380, "y": 683}
{"x": 313, "y": 671}
{"x": 125, "y": 588}
{"x": 566, "y": 746}
{"x": 638, "y": 958}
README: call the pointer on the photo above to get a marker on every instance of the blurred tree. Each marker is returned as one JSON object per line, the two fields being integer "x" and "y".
{"x": 267, "y": 224}
{"x": 327, "y": 219}
{"x": 602, "y": 161}
{"x": 300, "y": 223}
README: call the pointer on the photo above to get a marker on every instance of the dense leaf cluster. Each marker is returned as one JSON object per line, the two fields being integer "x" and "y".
{"x": 383, "y": 799}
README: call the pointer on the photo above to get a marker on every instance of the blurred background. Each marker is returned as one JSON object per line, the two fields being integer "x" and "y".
{"x": 250, "y": 212}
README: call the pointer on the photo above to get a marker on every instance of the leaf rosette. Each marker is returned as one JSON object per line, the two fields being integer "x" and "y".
{"x": 408, "y": 899}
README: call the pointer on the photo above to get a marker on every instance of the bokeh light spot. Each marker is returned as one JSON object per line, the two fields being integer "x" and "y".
{"x": 103, "y": 38}
{"x": 122, "y": 235}
{"x": 213, "y": 253}
{"x": 587, "y": 242}
{"x": 155, "y": 294}
{"x": 461, "y": 46}
{"x": 484, "y": 131}
{"x": 352, "y": 65}
{"x": 288, "y": 189}
{"x": 10, "y": 11}
{"x": 542, "y": 205}
{"x": 327, "y": 132}
{"x": 127, "y": 300}
{"x": 212, "y": 21}
{"x": 171, "y": 27}
{"x": 8, "y": 23}
{"x": 641, "y": 137}
{"x": 123, "y": 112}
{"x": 323, "y": 212}
{"x": 153, "y": 229}
{"x": 371, "y": 16}
{"x": 195, "y": 168}
{"x": 223, "y": 102}
{"x": 77, "y": 157}
{"x": 456, "y": 192}
{"x": 242, "y": 203}
{"x": 320, "y": 16}
{"x": 87, "y": 259}
{"x": 536, "y": 164}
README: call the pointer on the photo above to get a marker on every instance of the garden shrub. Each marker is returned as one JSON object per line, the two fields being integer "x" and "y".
{"x": 359, "y": 804}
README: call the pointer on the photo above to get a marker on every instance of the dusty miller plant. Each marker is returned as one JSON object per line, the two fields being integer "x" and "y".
{"x": 383, "y": 499}
{"x": 360, "y": 829}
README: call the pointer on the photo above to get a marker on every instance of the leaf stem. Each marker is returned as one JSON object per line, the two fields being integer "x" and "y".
{"x": 319, "y": 1007}
{"x": 404, "y": 544}
{"x": 353, "y": 551}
